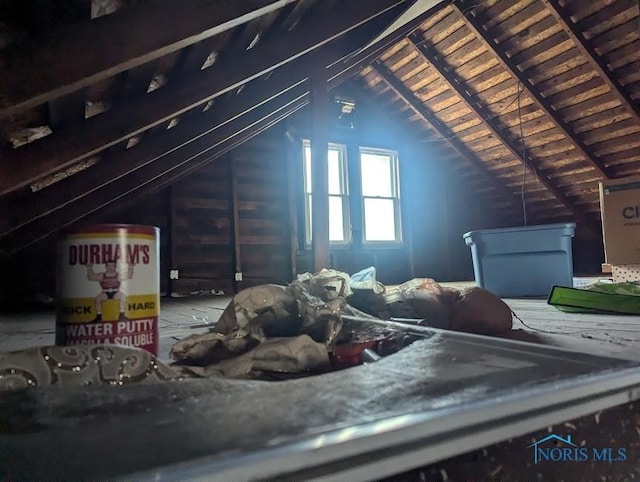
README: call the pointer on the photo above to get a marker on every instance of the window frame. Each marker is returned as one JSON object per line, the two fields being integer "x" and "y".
{"x": 344, "y": 194}
{"x": 395, "y": 196}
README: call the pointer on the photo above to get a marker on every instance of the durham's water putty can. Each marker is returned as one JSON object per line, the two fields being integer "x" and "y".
{"x": 108, "y": 286}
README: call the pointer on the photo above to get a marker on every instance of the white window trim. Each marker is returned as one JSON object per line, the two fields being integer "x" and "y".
{"x": 395, "y": 197}
{"x": 344, "y": 187}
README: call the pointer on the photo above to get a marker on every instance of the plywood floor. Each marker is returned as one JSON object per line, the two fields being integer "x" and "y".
{"x": 608, "y": 335}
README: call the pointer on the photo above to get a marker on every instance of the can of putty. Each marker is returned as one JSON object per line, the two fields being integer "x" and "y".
{"x": 108, "y": 286}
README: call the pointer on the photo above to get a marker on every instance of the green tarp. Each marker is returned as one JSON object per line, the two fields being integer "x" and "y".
{"x": 604, "y": 298}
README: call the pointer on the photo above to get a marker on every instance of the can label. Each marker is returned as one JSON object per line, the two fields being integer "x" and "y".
{"x": 108, "y": 288}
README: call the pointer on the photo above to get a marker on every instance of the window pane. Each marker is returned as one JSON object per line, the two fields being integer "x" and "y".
{"x": 336, "y": 219}
{"x": 307, "y": 168}
{"x": 308, "y": 206}
{"x": 379, "y": 220}
{"x": 334, "y": 172}
{"x": 376, "y": 174}
{"x": 335, "y": 186}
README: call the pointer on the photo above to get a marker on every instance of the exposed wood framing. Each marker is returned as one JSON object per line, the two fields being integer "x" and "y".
{"x": 564, "y": 19}
{"x": 69, "y": 57}
{"x": 235, "y": 221}
{"x": 64, "y": 148}
{"x": 319, "y": 169}
{"x": 157, "y": 175}
{"x": 69, "y": 108}
{"x": 125, "y": 191}
{"x": 294, "y": 154}
{"x": 425, "y": 113}
{"x": 188, "y": 138}
{"x": 173, "y": 233}
{"x": 476, "y": 25}
{"x": 465, "y": 92}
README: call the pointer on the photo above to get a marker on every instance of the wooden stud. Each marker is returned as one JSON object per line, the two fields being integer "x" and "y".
{"x": 294, "y": 154}
{"x": 319, "y": 170}
{"x": 235, "y": 220}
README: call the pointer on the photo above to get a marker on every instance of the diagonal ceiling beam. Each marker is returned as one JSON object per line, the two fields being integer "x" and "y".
{"x": 447, "y": 74}
{"x": 425, "y": 113}
{"x": 70, "y": 145}
{"x": 477, "y": 26}
{"x": 564, "y": 20}
{"x": 157, "y": 175}
{"x": 190, "y": 137}
{"x": 93, "y": 50}
{"x": 181, "y": 156}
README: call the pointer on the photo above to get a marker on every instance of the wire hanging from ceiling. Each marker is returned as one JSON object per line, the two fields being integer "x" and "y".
{"x": 485, "y": 119}
{"x": 523, "y": 154}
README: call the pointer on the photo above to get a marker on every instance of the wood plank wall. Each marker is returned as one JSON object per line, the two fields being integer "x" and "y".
{"x": 153, "y": 210}
{"x": 202, "y": 225}
{"x": 233, "y": 216}
{"x": 264, "y": 244}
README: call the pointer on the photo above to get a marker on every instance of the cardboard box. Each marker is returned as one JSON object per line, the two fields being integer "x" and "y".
{"x": 626, "y": 273}
{"x": 620, "y": 206}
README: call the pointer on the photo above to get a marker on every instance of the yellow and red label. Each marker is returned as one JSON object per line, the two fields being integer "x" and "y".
{"x": 108, "y": 288}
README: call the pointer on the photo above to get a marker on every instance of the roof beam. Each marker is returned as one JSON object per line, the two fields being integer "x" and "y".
{"x": 159, "y": 174}
{"x": 75, "y": 143}
{"x": 564, "y": 20}
{"x": 476, "y": 25}
{"x": 68, "y": 60}
{"x": 425, "y": 113}
{"x": 190, "y": 137}
{"x": 447, "y": 74}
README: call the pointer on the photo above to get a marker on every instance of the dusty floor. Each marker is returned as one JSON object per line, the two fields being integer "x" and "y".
{"x": 616, "y": 336}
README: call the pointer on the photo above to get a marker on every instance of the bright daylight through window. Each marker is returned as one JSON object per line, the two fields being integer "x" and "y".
{"x": 380, "y": 201}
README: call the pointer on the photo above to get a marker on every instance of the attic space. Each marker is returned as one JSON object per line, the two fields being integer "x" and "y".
{"x": 307, "y": 239}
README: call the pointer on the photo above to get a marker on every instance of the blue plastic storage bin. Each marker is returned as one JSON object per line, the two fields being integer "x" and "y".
{"x": 522, "y": 262}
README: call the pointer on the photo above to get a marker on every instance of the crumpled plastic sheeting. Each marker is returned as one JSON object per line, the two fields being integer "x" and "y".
{"x": 285, "y": 355}
{"x": 471, "y": 310}
{"x": 304, "y": 317}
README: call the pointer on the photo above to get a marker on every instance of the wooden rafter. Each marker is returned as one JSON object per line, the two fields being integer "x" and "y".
{"x": 190, "y": 137}
{"x": 429, "y": 55}
{"x": 564, "y": 20}
{"x": 178, "y": 157}
{"x": 425, "y": 113}
{"x": 475, "y": 23}
{"x": 185, "y": 141}
{"x": 69, "y": 57}
{"x": 68, "y": 146}
{"x": 157, "y": 175}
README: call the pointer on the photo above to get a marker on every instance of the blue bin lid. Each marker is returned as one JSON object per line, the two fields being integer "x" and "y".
{"x": 468, "y": 237}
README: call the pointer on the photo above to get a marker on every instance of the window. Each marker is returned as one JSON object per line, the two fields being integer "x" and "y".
{"x": 380, "y": 195}
{"x": 338, "y": 194}
{"x": 378, "y": 183}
